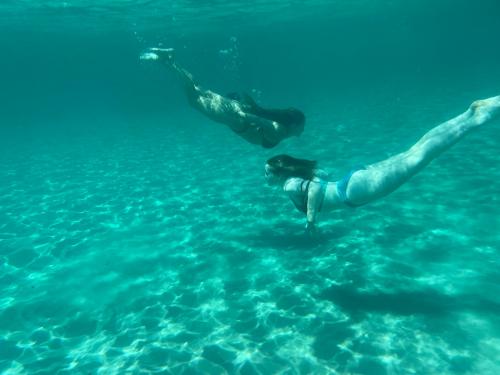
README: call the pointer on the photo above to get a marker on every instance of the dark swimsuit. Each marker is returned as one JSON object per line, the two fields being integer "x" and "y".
{"x": 302, "y": 205}
{"x": 251, "y": 109}
{"x": 265, "y": 142}
{"x": 342, "y": 187}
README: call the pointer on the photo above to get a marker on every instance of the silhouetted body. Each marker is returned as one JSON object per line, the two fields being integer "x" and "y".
{"x": 255, "y": 124}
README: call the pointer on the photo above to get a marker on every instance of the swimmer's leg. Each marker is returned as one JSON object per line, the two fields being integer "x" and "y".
{"x": 166, "y": 56}
{"x": 386, "y": 176}
{"x": 158, "y": 54}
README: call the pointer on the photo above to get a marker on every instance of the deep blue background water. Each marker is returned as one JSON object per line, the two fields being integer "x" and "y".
{"x": 136, "y": 236}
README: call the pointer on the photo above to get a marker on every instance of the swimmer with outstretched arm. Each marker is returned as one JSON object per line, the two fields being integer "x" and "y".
{"x": 311, "y": 192}
{"x": 257, "y": 125}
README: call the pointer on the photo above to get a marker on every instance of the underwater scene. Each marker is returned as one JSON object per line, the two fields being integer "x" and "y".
{"x": 138, "y": 233}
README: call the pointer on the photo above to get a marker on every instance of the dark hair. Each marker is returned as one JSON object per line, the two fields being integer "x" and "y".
{"x": 288, "y": 166}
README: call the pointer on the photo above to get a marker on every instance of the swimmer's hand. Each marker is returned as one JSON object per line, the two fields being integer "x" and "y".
{"x": 311, "y": 229}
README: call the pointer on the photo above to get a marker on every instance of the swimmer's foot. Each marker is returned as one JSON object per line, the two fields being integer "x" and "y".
{"x": 149, "y": 56}
{"x": 486, "y": 109}
{"x": 164, "y": 54}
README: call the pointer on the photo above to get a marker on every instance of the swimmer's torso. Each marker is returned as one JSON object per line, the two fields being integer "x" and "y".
{"x": 254, "y": 129}
{"x": 299, "y": 189}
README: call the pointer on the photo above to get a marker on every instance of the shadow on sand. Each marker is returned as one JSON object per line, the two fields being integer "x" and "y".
{"x": 426, "y": 302}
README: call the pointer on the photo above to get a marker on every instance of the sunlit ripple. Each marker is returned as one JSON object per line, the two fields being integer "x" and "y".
{"x": 110, "y": 266}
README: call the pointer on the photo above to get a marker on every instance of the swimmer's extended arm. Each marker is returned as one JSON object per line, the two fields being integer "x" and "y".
{"x": 271, "y": 130}
{"x": 315, "y": 197}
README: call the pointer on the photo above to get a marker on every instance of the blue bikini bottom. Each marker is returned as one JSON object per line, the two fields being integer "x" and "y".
{"x": 342, "y": 187}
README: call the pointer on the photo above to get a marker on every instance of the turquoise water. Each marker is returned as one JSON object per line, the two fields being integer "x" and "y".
{"x": 138, "y": 237}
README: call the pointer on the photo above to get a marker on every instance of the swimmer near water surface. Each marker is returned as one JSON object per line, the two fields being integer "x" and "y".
{"x": 257, "y": 125}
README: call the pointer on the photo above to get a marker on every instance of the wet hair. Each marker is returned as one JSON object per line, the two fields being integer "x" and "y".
{"x": 287, "y": 166}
